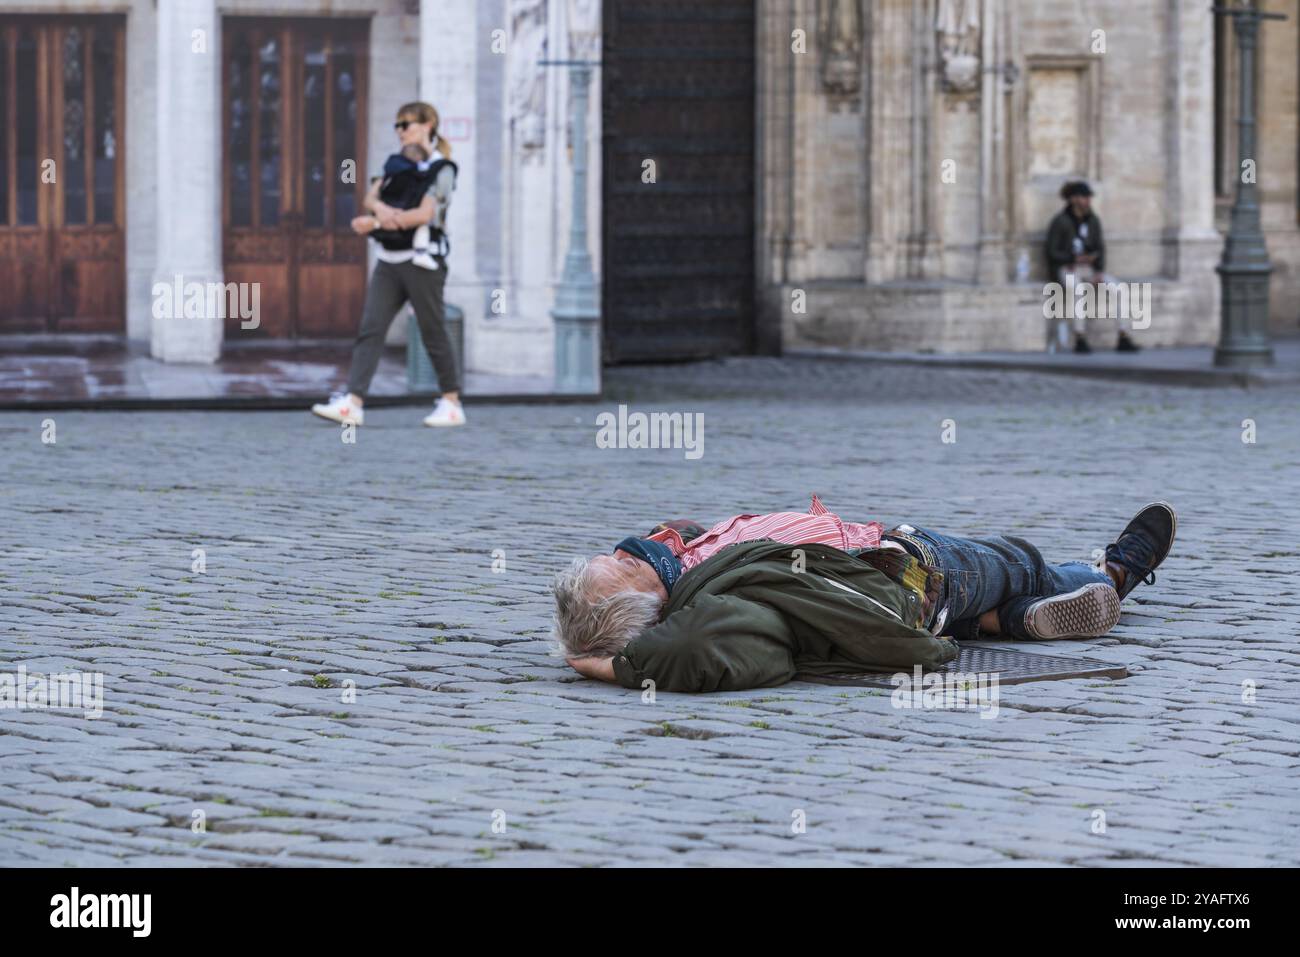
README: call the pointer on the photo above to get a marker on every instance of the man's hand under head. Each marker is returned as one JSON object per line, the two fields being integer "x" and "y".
{"x": 601, "y": 669}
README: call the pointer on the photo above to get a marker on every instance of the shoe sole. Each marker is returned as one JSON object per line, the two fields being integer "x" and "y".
{"x": 1088, "y": 612}
{"x": 334, "y": 418}
{"x": 1173, "y": 527}
{"x": 443, "y": 425}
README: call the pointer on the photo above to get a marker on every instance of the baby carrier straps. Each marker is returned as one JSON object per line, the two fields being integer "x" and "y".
{"x": 437, "y": 236}
{"x": 398, "y": 239}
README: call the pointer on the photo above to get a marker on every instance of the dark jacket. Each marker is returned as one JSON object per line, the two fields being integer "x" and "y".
{"x": 749, "y": 618}
{"x": 1061, "y": 233}
{"x": 404, "y": 187}
{"x": 404, "y": 183}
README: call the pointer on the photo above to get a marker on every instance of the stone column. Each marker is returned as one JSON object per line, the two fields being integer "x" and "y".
{"x": 1190, "y": 175}
{"x": 449, "y": 51}
{"x": 921, "y": 243}
{"x": 993, "y": 256}
{"x": 890, "y": 159}
{"x": 141, "y": 171}
{"x": 1191, "y": 244}
{"x": 188, "y": 184}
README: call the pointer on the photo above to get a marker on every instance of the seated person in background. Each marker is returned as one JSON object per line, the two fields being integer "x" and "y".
{"x": 757, "y": 598}
{"x": 1075, "y": 246}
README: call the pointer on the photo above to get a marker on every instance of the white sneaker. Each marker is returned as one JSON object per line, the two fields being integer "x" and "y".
{"x": 445, "y": 412}
{"x": 342, "y": 407}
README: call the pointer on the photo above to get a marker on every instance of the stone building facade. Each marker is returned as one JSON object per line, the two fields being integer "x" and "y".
{"x": 765, "y": 174}
{"x": 313, "y": 84}
{"x": 1008, "y": 98}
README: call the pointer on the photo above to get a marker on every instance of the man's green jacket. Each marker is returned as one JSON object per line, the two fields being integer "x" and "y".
{"x": 758, "y": 612}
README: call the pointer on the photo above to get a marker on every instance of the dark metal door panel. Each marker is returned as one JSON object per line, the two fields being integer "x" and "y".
{"x": 678, "y": 253}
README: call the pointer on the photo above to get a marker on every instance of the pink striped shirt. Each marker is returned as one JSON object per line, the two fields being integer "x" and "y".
{"x": 819, "y": 526}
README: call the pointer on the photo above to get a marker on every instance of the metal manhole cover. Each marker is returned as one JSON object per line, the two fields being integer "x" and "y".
{"x": 1011, "y": 667}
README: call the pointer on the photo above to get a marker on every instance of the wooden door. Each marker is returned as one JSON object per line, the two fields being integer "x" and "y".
{"x": 62, "y": 243}
{"x": 678, "y": 254}
{"x": 294, "y": 94}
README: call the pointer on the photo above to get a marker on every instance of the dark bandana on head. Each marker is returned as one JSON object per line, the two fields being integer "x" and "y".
{"x": 657, "y": 555}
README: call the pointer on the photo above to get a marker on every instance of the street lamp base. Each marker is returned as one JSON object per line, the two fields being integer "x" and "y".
{"x": 577, "y": 352}
{"x": 1243, "y": 357}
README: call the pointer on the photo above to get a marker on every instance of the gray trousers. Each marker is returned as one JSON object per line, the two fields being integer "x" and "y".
{"x": 391, "y": 286}
{"x": 1084, "y": 274}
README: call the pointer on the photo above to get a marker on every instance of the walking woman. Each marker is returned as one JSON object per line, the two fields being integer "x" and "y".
{"x": 406, "y": 272}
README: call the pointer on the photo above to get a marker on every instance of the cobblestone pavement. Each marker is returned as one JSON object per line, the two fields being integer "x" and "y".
{"x": 327, "y": 563}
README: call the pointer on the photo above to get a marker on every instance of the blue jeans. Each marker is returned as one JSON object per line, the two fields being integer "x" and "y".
{"x": 982, "y": 574}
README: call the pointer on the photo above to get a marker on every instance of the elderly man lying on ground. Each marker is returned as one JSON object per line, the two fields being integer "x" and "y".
{"x": 757, "y": 598}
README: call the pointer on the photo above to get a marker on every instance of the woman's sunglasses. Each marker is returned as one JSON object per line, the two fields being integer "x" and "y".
{"x": 401, "y": 125}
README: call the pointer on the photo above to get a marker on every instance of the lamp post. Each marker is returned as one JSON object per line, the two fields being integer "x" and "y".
{"x": 1244, "y": 269}
{"x": 577, "y": 297}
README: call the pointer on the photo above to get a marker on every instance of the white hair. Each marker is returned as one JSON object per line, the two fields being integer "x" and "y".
{"x": 589, "y": 624}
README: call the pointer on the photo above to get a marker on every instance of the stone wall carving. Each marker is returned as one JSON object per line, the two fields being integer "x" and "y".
{"x": 528, "y": 78}
{"x": 840, "y": 29}
{"x": 584, "y": 29}
{"x": 958, "y": 27}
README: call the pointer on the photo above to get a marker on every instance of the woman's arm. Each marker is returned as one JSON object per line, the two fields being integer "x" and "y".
{"x": 438, "y": 195}
{"x": 372, "y": 196}
{"x": 412, "y": 218}
{"x": 387, "y": 215}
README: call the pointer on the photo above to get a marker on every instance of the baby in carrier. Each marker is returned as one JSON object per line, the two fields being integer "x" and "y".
{"x": 407, "y": 177}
